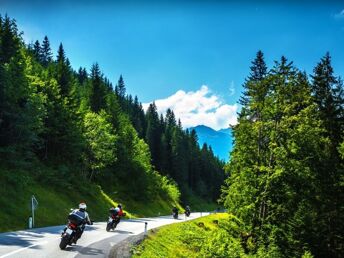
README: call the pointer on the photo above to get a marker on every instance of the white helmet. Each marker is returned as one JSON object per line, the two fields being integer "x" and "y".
{"x": 82, "y": 205}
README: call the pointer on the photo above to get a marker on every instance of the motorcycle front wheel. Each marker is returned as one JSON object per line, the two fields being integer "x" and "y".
{"x": 108, "y": 226}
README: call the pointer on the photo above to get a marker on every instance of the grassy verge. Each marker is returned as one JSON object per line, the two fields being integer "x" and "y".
{"x": 180, "y": 240}
{"x": 56, "y": 196}
{"x": 56, "y": 201}
{"x": 53, "y": 205}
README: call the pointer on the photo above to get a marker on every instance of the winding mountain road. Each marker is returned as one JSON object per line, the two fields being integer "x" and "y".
{"x": 95, "y": 242}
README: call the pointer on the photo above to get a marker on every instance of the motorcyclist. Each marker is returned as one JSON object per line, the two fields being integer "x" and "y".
{"x": 187, "y": 209}
{"x": 82, "y": 217}
{"x": 175, "y": 212}
{"x": 118, "y": 211}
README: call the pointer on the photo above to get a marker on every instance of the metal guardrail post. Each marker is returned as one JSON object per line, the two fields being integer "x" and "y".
{"x": 145, "y": 231}
{"x": 30, "y": 222}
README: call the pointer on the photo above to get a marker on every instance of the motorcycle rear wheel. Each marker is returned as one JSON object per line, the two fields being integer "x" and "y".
{"x": 64, "y": 242}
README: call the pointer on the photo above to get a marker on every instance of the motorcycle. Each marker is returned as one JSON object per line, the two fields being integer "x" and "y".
{"x": 175, "y": 215}
{"x": 113, "y": 221}
{"x": 71, "y": 234}
{"x": 187, "y": 213}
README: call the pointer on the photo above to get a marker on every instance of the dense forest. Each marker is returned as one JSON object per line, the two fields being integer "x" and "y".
{"x": 59, "y": 126}
{"x": 285, "y": 189}
{"x": 286, "y": 181}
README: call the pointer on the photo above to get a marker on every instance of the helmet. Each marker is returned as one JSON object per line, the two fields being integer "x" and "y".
{"x": 82, "y": 206}
{"x": 117, "y": 209}
{"x": 119, "y": 206}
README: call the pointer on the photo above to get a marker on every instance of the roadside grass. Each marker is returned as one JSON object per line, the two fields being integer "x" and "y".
{"x": 53, "y": 206}
{"x": 55, "y": 201}
{"x": 179, "y": 240}
{"x": 57, "y": 196}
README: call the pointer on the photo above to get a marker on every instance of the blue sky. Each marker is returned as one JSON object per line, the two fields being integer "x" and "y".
{"x": 168, "y": 51}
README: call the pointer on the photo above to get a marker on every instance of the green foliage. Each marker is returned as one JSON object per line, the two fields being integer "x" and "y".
{"x": 166, "y": 187}
{"x": 176, "y": 153}
{"x": 72, "y": 126}
{"x": 307, "y": 254}
{"x": 280, "y": 170}
{"x": 101, "y": 141}
{"x": 185, "y": 239}
{"x": 341, "y": 150}
{"x": 18, "y": 186}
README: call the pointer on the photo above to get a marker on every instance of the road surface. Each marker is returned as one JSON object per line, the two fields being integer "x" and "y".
{"x": 95, "y": 242}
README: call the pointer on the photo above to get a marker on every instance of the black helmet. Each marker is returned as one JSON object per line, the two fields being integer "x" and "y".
{"x": 119, "y": 206}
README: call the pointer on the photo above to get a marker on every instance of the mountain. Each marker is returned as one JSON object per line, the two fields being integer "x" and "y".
{"x": 220, "y": 141}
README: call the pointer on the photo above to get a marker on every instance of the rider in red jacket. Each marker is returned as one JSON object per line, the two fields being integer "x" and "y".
{"x": 118, "y": 211}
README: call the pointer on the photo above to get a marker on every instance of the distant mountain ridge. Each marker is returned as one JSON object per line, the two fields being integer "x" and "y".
{"x": 220, "y": 141}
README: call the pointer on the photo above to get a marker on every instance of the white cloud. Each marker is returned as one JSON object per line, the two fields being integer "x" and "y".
{"x": 200, "y": 107}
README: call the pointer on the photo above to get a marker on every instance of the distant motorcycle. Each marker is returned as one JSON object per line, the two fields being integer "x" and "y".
{"x": 175, "y": 215}
{"x": 113, "y": 221}
{"x": 187, "y": 213}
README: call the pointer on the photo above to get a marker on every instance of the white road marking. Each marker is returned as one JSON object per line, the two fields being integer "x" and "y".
{"x": 22, "y": 249}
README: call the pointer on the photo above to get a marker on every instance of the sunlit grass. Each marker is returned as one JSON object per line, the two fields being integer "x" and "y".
{"x": 179, "y": 240}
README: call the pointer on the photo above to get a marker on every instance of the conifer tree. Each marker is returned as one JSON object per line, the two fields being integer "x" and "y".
{"x": 20, "y": 105}
{"x": 121, "y": 87}
{"x": 46, "y": 55}
{"x": 252, "y": 86}
{"x": 37, "y": 51}
{"x": 10, "y": 39}
{"x": 327, "y": 91}
{"x": 264, "y": 188}
{"x": 82, "y": 75}
{"x": 98, "y": 94}
{"x": 153, "y": 134}
{"x": 63, "y": 71}
{"x": 328, "y": 95}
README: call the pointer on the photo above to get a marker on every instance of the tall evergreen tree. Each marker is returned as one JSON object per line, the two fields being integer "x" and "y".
{"x": 153, "y": 134}
{"x": 46, "y": 55}
{"x": 252, "y": 86}
{"x": 10, "y": 39}
{"x": 121, "y": 87}
{"x": 327, "y": 91}
{"x": 98, "y": 94}
{"x": 271, "y": 185}
{"x": 63, "y": 71}
{"x": 328, "y": 95}
{"x": 82, "y": 75}
{"x": 37, "y": 51}
{"x": 20, "y": 105}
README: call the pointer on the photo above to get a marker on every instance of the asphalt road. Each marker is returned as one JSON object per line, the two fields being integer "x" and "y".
{"x": 95, "y": 242}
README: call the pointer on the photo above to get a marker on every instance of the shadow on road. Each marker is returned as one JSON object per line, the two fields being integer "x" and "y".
{"x": 122, "y": 232}
{"x": 20, "y": 239}
{"x": 90, "y": 251}
{"x": 29, "y": 237}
